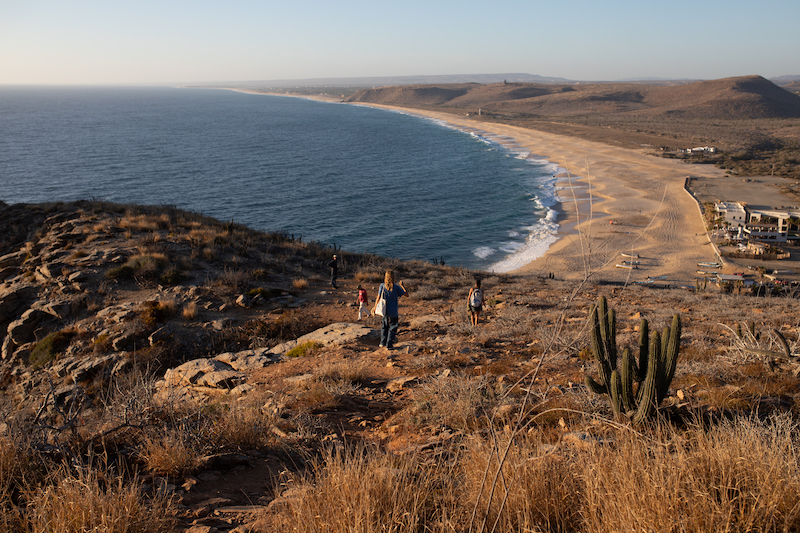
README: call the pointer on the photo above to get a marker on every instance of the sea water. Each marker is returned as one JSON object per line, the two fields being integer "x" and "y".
{"x": 364, "y": 179}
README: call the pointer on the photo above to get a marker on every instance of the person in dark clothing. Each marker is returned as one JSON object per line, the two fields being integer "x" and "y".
{"x": 334, "y": 266}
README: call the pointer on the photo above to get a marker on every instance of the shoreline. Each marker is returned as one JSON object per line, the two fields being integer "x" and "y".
{"x": 622, "y": 200}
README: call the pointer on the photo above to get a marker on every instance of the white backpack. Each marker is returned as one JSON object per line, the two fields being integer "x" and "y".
{"x": 476, "y": 299}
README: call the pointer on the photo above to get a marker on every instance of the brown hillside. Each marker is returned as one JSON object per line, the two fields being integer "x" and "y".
{"x": 748, "y": 97}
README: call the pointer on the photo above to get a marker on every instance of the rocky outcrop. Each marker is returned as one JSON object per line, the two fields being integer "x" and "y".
{"x": 336, "y": 333}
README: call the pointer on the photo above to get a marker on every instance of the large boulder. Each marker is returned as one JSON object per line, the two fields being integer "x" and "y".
{"x": 336, "y": 333}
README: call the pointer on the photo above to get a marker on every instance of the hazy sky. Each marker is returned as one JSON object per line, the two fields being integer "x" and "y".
{"x": 183, "y": 41}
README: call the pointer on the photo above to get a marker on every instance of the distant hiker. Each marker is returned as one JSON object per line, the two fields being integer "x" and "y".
{"x": 362, "y": 301}
{"x": 334, "y": 266}
{"x": 390, "y": 292}
{"x": 475, "y": 302}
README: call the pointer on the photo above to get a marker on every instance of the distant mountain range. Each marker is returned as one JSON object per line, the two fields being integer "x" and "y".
{"x": 746, "y": 97}
{"x": 457, "y": 78}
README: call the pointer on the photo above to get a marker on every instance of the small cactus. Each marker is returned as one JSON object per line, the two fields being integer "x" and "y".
{"x": 658, "y": 358}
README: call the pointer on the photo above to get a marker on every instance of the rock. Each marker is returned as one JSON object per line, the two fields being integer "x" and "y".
{"x": 398, "y": 384}
{"x": 248, "y": 359}
{"x": 337, "y": 333}
{"x": 21, "y": 330}
{"x": 243, "y": 301}
{"x": 162, "y": 334}
{"x": 425, "y": 320}
{"x": 302, "y": 378}
{"x": 91, "y": 367}
{"x": 13, "y": 259}
{"x": 13, "y": 300}
{"x": 223, "y": 461}
{"x": 226, "y": 379}
{"x": 124, "y": 342}
{"x": 221, "y": 324}
{"x": 59, "y": 309}
{"x": 190, "y": 372}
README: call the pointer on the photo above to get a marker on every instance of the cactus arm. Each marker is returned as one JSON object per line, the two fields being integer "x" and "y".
{"x": 644, "y": 348}
{"x": 647, "y": 389}
{"x": 670, "y": 358}
{"x": 616, "y": 393}
{"x": 594, "y": 386}
{"x": 626, "y": 376}
{"x": 611, "y": 345}
{"x": 599, "y": 349}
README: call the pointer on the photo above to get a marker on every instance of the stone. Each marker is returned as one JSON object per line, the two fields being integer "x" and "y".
{"x": 248, "y": 359}
{"x": 398, "y": 384}
{"x": 162, "y": 334}
{"x": 189, "y": 373}
{"x": 425, "y": 320}
{"x": 22, "y": 329}
{"x": 336, "y": 333}
{"x": 243, "y": 301}
{"x": 226, "y": 379}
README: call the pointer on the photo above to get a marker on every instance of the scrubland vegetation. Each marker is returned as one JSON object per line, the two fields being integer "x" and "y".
{"x": 459, "y": 429}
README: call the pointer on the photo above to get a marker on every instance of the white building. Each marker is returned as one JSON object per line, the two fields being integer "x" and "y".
{"x": 774, "y": 226}
{"x": 733, "y": 213}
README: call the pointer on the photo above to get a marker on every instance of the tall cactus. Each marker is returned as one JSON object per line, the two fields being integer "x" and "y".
{"x": 658, "y": 358}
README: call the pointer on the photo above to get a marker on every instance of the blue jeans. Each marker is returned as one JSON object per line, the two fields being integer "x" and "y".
{"x": 389, "y": 326}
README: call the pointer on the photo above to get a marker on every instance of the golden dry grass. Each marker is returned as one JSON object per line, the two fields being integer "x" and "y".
{"x": 738, "y": 476}
{"x": 88, "y": 502}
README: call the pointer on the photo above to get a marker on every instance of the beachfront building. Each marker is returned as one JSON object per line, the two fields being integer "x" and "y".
{"x": 773, "y": 226}
{"x": 733, "y": 213}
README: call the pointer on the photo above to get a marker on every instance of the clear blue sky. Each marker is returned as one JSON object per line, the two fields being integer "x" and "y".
{"x": 183, "y": 41}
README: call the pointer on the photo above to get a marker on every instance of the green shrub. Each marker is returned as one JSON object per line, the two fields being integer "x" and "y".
{"x": 305, "y": 349}
{"x": 48, "y": 348}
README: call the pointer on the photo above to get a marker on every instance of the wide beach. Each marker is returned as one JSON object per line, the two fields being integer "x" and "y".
{"x": 614, "y": 200}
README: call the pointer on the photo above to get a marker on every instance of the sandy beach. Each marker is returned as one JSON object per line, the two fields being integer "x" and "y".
{"x": 614, "y": 201}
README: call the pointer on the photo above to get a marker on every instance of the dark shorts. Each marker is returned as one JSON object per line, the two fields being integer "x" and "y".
{"x": 473, "y": 309}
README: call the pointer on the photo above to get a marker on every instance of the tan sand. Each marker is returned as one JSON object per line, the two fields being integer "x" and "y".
{"x": 653, "y": 215}
{"x": 626, "y": 202}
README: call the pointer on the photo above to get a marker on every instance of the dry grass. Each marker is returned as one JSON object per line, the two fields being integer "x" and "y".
{"x": 87, "y": 501}
{"x": 739, "y": 476}
{"x": 190, "y": 311}
{"x": 169, "y": 454}
{"x": 366, "y": 491}
{"x": 300, "y": 284}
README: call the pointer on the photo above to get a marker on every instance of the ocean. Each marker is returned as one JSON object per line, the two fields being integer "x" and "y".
{"x": 364, "y": 179}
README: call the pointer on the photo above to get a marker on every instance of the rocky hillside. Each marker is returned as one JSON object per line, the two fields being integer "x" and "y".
{"x": 218, "y": 363}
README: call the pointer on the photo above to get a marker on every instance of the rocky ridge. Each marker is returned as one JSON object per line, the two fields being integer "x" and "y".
{"x": 94, "y": 295}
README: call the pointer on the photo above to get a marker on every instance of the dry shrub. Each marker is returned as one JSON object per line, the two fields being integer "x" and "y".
{"x": 367, "y": 491}
{"x": 739, "y": 476}
{"x": 88, "y": 502}
{"x": 239, "y": 427}
{"x": 152, "y": 312}
{"x": 369, "y": 276}
{"x": 190, "y": 311}
{"x": 457, "y": 402}
{"x": 349, "y": 370}
{"x": 300, "y": 284}
{"x": 169, "y": 454}
{"x": 537, "y": 491}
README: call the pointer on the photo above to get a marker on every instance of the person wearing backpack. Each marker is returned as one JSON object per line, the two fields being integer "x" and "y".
{"x": 475, "y": 302}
